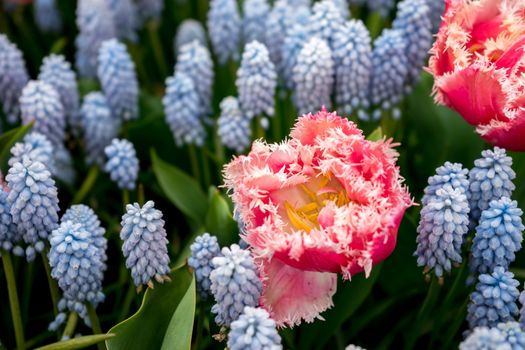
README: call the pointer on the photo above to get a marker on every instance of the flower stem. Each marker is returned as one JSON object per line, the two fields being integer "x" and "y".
{"x": 95, "y": 325}
{"x": 205, "y": 169}
{"x": 53, "y": 288}
{"x": 125, "y": 198}
{"x": 141, "y": 197}
{"x": 87, "y": 185}
{"x": 157, "y": 47}
{"x": 194, "y": 160}
{"x": 200, "y": 326}
{"x": 127, "y": 302}
{"x": 70, "y": 325}
{"x": 13, "y": 300}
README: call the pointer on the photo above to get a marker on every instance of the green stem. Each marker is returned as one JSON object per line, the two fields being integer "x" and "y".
{"x": 194, "y": 160}
{"x": 259, "y": 130}
{"x": 200, "y": 326}
{"x": 125, "y": 198}
{"x": 70, "y": 325}
{"x": 205, "y": 168}
{"x": 456, "y": 324}
{"x": 219, "y": 148}
{"x": 13, "y": 300}
{"x": 53, "y": 288}
{"x": 141, "y": 197}
{"x": 128, "y": 299}
{"x": 95, "y": 325}
{"x": 87, "y": 185}
{"x": 157, "y": 47}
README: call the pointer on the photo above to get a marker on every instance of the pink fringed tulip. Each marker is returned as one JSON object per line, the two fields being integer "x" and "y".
{"x": 325, "y": 201}
{"x": 478, "y": 62}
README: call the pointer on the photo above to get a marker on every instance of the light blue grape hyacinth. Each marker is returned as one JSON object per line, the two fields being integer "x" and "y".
{"x": 149, "y": 9}
{"x": 37, "y": 147}
{"x": 182, "y": 110}
{"x": 255, "y": 13}
{"x": 313, "y": 76}
{"x": 254, "y": 330}
{"x": 436, "y": 10}
{"x": 498, "y": 236}
{"x": 352, "y": 52}
{"x": 195, "y": 61}
{"x": 10, "y": 237}
{"x": 490, "y": 178}
{"x": 224, "y": 29}
{"x": 234, "y": 284}
{"x": 256, "y": 81}
{"x": 203, "y": 250}
{"x": 64, "y": 170}
{"x": 123, "y": 164}
{"x": 116, "y": 72}
{"x": 494, "y": 299}
{"x": 13, "y": 78}
{"x": 125, "y": 18}
{"x": 507, "y": 336}
{"x": 383, "y": 7}
{"x": 57, "y": 72}
{"x": 95, "y": 25}
{"x": 145, "y": 244}
{"x": 47, "y": 16}
{"x": 292, "y": 46}
{"x": 33, "y": 200}
{"x": 40, "y": 102}
{"x": 389, "y": 72}
{"x": 449, "y": 173}
{"x": 188, "y": 31}
{"x": 99, "y": 126}
{"x": 233, "y": 127}
{"x": 442, "y": 228}
{"x": 325, "y": 19}
{"x": 413, "y": 21}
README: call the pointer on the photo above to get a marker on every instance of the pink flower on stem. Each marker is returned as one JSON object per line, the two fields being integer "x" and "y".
{"x": 478, "y": 62}
{"x": 323, "y": 202}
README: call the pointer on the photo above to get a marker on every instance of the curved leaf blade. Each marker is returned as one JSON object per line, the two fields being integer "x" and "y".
{"x": 77, "y": 343}
{"x": 8, "y": 139}
{"x": 219, "y": 220}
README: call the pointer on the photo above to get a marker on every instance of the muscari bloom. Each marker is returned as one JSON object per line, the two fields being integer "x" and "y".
{"x": 490, "y": 178}
{"x": 99, "y": 126}
{"x": 224, "y": 28}
{"x": 37, "y": 147}
{"x": 313, "y": 76}
{"x": 505, "y": 336}
{"x": 95, "y": 25}
{"x": 494, "y": 299}
{"x": 452, "y": 174}
{"x": 188, "y": 31}
{"x": 498, "y": 236}
{"x": 40, "y": 102}
{"x": 256, "y": 81}
{"x": 352, "y": 53}
{"x": 436, "y": 10}
{"x": 183, "y": 111}
{"x": 255, "y": 13}
{"x": 122, "y": 164}
{"x": 149, "y": 9}
{"x": 34, "y": 203}
{"x": 389, "y": 71}
{"x": 203, "y": 250}
{"x": 477, "y": 64}
{"x": 64, "y": 170}
{"x": 195, "y": 61}
{"x": 254, "y": 330}
{"x": 116, "y": 72}
{"x": 47, "y": 16}
{"x": 13, "y": 78}
{"x": 382, "y": 6}
{"x": 325, "y": 19}
{"x": 10, "y": 237}
{"x": 305, "y": 201}
{"x": 125, "y": 18}
{"x": 145, "y": 244}
{"x": 234, "y": 284}
{"x": 57, "y": 72}
{"x": 292, "y": 46}
{"x": 232, "y": 126}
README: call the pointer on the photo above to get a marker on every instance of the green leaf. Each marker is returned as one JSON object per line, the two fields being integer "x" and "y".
{"x": 77, "y": 343}
{"x": 8, "y": 139}
{"x": 376, "y": 135}
{"x": 219, "y": 220}
{"x": 164, "y": 320}
{"x": 183, "y": 191}
{"x": 350, "y": 295}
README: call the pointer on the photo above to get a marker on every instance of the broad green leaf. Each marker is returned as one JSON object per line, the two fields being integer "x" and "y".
{"x": 153, "y": 326}
{"x": 183, "y": 191}
{"x": 350, "y": 295}
{"x": 376, "y": 135}
{"x": 8, "y": 139}
{"x": 219, "y": 220}
{"x": 77, "y": 343}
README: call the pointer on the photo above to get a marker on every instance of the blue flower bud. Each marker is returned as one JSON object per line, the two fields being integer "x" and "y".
{"x": 224, "y": 28}
{"x": 233, "y": 127}
{"x": 203, "y": 250}
{"x": 254, "y": 330}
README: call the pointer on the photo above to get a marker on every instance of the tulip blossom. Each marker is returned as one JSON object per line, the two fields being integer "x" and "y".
{"x": 478, "y": 62}
{"x": 323, "y": 202}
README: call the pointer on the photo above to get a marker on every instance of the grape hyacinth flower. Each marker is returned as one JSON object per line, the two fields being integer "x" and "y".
{"x": 494, "y": 299}
{"x": 256, "y": 81}
{"x": 95, "y": 25}
{"x": 224, "y": 28}
{"x": 383, "y": 7}
{"x": 34, "y": 203}
{"x": 64, "y": 170}
{"x": 145, "y": 244}
{"x": 57, "y": 72}
{"x": 352, "y": 53}
{"x": 490, "y": 178}
{"x": 452, "y": 174}
{"x": 47, "y": 16}
{"x": 37, "y": 147}
{"x": 514, "y": 334}
{"x": 326, "y": 18}
{"x": 413, "y": 21}
{"x": 203, "y": 250}
{"x": 122, "y": 164}
{"x": 195, "y": 61}
{"x": 40, "y": 102}
{"x": 234, "y": 284}
{"x": 149, "y": 9}
{"x": 233, "y": 127}
{"x": 313, "y": 76}
{"x": 498, "y": 236}
{"x": 343, "y": 7}
{"x": 13, "y": 78}
{"x": 183, "y": 111}
{"x": 255, "y": 13}
{"x": 507, "y": 335}
{"x": 390, "y": 69}
{"x": 292, "y": 46}
{"x": 188, "y": 31}
{"x": 125, "y": 18}
{"x": 116, "y": 72}
{"x": 99, "y": 126}
{"x": 254, "y": 330}
{"x": 10, "y": 237}
{"x": 436, "y": 10}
